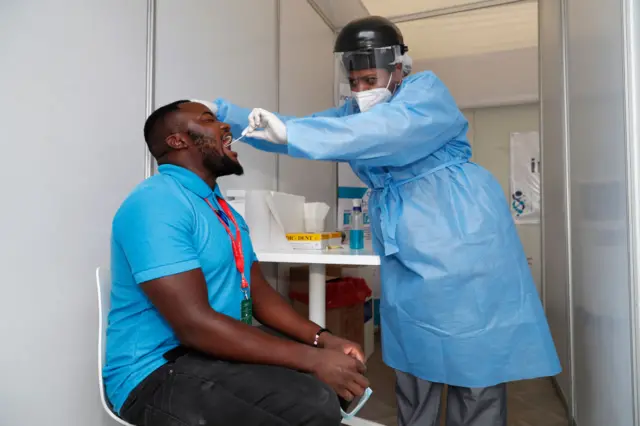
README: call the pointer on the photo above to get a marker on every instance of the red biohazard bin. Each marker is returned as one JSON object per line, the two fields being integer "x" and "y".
{"x": 346, "y": 299}
{"x": 341, "y": 293}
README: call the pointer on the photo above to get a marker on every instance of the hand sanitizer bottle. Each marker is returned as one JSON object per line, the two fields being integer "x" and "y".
{"x": 356, "y": 231}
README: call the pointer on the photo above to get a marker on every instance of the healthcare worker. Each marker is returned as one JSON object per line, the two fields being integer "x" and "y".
{"x": 459, "y": 305}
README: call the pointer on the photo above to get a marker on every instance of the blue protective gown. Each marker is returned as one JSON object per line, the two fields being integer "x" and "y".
{"x": 459, "y": 305}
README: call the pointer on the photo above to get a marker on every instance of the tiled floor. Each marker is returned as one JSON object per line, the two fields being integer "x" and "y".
{"x": 530, "y": 403}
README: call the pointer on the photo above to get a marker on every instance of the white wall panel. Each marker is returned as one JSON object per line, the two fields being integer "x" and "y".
{"x": 489, "y": 79}
{"x": 340, "y": 12}
{"x": 208, "y": 49}
{"x": 306, "y": 86}
{"x": 73, "y": 87}
{"x": 509, "y": 27}
{"x": 406, "y": 7}
{"x": 555, "y": 191}
{"x": 599, "y": 213}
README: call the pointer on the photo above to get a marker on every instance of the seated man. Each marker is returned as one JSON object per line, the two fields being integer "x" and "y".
{"x": 180, "y": 346}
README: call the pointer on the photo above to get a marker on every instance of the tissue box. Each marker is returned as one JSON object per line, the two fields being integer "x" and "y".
{"x": 315, "y": 241}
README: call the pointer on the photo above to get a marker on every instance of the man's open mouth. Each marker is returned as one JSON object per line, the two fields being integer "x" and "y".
{"x": 227, "y": 139}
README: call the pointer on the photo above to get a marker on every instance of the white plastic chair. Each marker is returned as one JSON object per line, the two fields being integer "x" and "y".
{"x": 103, "y": 282}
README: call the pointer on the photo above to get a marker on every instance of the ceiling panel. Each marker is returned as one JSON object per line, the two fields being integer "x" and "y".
{"x": 340, "y": 12}
{"x": 404, "y": 7}
{"x": 492, "y": 29}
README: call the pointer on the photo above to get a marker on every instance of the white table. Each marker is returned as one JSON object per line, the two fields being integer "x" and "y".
{"x": 317, "y": 261}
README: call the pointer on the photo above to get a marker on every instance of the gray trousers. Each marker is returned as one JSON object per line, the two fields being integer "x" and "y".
{"x": 420, "y": 402}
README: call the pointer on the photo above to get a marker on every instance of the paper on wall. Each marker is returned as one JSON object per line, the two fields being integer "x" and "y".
{"x": 525, "y": 177}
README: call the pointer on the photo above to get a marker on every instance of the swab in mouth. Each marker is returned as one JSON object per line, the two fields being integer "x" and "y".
{"x": 228, "y": 140}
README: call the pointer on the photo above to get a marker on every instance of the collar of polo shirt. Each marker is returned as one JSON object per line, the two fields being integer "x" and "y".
{"x": 189, "y": 180}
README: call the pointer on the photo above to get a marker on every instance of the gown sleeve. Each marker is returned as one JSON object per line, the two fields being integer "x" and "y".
{"x": 238, "y": 118}
{"x": 418, "y": 121}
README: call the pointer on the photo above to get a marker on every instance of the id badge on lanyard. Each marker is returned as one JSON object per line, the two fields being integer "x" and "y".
{"x": 246, "y": 311}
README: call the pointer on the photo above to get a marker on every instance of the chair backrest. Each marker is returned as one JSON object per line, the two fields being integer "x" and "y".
{"x": 103, "y": 283}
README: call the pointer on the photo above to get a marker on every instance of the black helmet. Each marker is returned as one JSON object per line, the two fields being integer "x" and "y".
{"x": 369, "y": 33}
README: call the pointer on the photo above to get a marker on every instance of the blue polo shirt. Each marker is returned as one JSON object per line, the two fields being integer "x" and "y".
{"x": 164, "y": 227}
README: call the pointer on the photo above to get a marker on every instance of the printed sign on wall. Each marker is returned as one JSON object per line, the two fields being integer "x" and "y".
{"x": 525, "y": 177}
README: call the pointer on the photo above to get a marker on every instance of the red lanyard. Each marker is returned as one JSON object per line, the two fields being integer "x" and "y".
{"x": 236, "y": 243}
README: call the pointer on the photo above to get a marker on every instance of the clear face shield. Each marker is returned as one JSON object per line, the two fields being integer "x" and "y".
{"x": 372, "y": 76}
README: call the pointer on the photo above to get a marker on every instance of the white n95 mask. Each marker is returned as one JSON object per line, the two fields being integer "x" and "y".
{"x": 367, "y": 99}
